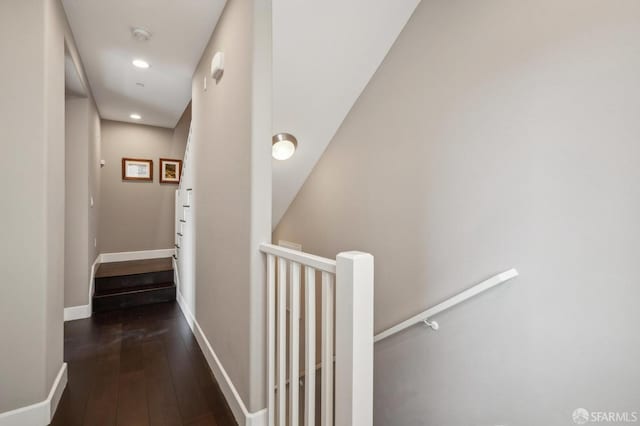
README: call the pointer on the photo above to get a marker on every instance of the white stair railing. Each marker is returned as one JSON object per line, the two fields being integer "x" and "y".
{"x": 425, "y": 316}
{"x": 346, "y": 327}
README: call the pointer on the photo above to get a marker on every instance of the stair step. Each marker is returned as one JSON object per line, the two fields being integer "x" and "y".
{"x": 131, "y": 267}
{"x": 131, "y": 274}
{"x": 136, "y": 296}
{"x": 130, "y": 290}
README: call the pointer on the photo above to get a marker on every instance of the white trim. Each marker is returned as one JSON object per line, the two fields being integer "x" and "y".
{"x": 317, "y": 262}
{"x": 55, "y": 394}
{"x": 83, "y": 311}
{"x": 290, "y": 245}
{"x": 240, "y": 412}
{"x": 136, "y": 255}
{"x": 77, "y": 312}
{"x": 425, "y": 316}
{"x": 40, "y": 413}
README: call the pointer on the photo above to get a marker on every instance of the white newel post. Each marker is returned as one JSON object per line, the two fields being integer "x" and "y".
{"x": 354, "y": 339}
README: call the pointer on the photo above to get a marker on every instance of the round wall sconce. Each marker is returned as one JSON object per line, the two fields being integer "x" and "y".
{"x": 283, "y": 145}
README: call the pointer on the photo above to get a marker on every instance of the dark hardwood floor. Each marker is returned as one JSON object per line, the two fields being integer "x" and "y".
{"x": 138, "y": 366}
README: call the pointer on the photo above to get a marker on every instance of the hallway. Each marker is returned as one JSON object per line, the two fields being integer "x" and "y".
{"x": 139, "y": 366}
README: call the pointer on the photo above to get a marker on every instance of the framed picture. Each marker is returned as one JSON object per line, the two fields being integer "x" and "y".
{"x": 137, "y": 169}
{"x": 170, "y": 170}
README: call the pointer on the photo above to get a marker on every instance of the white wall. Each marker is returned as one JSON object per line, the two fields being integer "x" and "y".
{"x": 32, "y": 254}
{"x": 495, "y": 134}
{"x": 231, "y": 128}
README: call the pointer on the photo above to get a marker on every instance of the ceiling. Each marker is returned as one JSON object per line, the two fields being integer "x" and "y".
{"x": 180, "y": 31}
{"x": 324, "y": 54}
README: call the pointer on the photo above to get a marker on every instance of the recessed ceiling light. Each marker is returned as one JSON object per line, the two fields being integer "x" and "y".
{"x": 283, "y": 145}
{"x": 135, "y": 116}
{"x": 140, "y": 34}
{"x": 140, "y": 63}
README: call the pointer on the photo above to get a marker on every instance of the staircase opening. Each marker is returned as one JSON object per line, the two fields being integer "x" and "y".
{"x": 120, "y": 285}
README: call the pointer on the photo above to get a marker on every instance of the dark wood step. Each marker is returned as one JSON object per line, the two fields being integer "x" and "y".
{"x": 132, "y": 274}
{"x": 113, "y": 291}
{"x": 131, "y": 267}
{"x": 125, "y": 282}
{"x": 112, "y": 299}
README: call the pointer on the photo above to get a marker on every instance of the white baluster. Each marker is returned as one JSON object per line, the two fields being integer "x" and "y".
{"x": 294, "y": 344}
{"x": 326, "y": 399}
{"x": 282, "y": 341}
{"x": 271, "y": 337}
{"x": 310, "y": 347}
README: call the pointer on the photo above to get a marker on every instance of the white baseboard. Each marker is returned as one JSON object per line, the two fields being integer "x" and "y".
{"x": 77, "y": 312}
{"x": 136, "y": 255}
{"x": 55, "y": 394}
{"x": 239, "y": 409}
{"x": 41, "y": 413}
{"x": 83, "y": 311}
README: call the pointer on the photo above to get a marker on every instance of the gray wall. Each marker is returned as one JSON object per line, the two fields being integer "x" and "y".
{"x": 232, "y": 192}
{"x": 77, "y": 205}
{"x": 136, "y": 215}
{"x": 495, "y": 134}
{"x": 55, "y": 27}
{"x": 82, "y": 147}
{"x": 32, "y": 253}
{"x": 181, "y": 131}
{"x": 95, "y": 177}
{"x": 82, "y": 181}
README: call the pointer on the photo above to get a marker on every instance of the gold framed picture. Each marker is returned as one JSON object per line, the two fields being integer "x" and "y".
{"x": 137, "y": 169}
{"x": 170, "y": 170}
